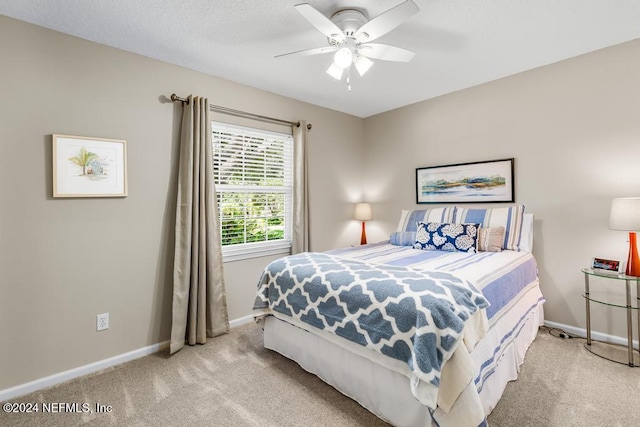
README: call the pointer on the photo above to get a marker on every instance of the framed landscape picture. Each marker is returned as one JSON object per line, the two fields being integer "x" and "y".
{"x": 477, "y": 182}
{"x": 89, "y": 167}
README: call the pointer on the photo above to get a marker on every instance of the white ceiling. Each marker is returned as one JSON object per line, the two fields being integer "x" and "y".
{"x": 459, "y": 43}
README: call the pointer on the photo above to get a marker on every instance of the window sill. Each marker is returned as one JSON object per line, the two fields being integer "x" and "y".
{"x": 239, "y": 255}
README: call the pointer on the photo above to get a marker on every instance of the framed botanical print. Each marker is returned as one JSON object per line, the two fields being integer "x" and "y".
{"x": 89, "y": 167}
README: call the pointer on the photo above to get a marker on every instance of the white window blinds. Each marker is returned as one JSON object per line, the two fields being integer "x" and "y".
{"x": 253, "y": 173}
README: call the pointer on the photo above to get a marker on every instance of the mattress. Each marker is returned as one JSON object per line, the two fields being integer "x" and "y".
{"x": 473, "y": 379}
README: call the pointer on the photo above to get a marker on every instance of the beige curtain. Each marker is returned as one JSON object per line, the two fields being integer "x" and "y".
{"x": 300, "y": 239}
{"x": 199, "y": 298}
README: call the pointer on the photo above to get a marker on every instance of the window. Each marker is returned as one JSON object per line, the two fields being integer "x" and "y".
{"x": 253, "y": 173}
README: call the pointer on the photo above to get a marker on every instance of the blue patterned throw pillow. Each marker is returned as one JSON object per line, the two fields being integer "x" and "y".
{"x": 438, "y": 236}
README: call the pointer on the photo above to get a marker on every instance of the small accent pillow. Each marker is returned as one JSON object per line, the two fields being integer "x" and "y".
{"x": 490, "y": 239}
{"x": 437, "y": 236}
{"x": 402, "y": 238}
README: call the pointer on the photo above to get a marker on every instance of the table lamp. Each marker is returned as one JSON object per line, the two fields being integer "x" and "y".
{"x": 363, "y": 213}
{"x": 625, "y": 215}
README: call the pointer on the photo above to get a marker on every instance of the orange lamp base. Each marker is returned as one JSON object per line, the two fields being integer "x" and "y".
{"x": 633, "y": 261}
{"x": 363, "y": 237}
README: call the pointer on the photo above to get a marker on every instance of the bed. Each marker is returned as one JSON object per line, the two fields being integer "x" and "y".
{"x": 424, "y": 329}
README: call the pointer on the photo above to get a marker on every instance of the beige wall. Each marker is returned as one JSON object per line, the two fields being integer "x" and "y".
{"x": 574, "y": 131}
{"x": 62, "y": 261}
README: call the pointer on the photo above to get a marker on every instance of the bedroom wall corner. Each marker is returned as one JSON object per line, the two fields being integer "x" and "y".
{"x": 573, "y": 130}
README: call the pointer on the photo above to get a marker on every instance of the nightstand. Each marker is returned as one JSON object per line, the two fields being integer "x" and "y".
{"x": 616, "y": 301}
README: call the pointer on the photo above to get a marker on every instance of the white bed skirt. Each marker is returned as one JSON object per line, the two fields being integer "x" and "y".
{"x": 386, "y": 393}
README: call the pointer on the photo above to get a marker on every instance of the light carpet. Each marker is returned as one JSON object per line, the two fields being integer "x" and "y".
{"x": 234, "y": 381}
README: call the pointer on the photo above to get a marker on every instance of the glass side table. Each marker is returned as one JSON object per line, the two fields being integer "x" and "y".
{"x": 618, "y": 301}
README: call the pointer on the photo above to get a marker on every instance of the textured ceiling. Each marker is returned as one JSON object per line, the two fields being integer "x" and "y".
{"x": 459, "y": 43}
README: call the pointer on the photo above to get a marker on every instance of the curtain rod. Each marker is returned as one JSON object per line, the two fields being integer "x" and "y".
{"x": 239, "y": 113}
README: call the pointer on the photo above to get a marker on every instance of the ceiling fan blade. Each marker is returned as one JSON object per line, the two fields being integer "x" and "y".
{"x": 386, "y": 52}
{"x": 387, "y": 21}
{"x": 309, "y": 52}
{"x": 321, "y": 22}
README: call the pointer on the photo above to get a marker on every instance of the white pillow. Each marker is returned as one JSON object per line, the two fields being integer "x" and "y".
{"x": 526, "y": 236}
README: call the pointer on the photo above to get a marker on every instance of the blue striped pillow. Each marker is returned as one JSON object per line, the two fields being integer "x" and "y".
{"x": 403, "y": 238}
{"x": 508, "y": 217}
{"x": 409, "y": 219}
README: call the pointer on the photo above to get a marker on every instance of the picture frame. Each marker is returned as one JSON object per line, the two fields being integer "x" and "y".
{"x": 89, "y": 167}
{"x": 489, "y": 181}
{"x": 604, "y": 265}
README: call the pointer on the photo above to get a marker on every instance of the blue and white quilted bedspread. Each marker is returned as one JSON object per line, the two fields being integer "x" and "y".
{"x": 415, "y": 317}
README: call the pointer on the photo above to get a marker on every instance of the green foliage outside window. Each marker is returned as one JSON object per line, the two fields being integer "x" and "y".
{"x": 252, "y": 216}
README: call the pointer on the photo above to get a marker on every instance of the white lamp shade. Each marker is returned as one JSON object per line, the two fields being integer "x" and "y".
{"x": 362, "y": 64}
{"x": 335, "y": 71}
{"x": 363, "y": 212}
{"x": 625, "y": 214}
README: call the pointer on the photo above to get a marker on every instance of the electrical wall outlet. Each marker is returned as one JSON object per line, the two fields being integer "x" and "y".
{"x": 102, "y": 321}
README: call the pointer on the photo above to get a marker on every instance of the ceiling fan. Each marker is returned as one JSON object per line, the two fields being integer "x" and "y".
{"x": 349, "y": 34}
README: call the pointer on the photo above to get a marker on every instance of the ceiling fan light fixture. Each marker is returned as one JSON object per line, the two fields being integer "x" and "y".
{"x": 362, "y": 64}
{"x": 343, "y": 57}
{"x": 349, "y": 33}
{"x": 335, "y": 72}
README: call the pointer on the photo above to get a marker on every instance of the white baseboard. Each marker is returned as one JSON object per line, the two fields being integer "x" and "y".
{"x": 241, "y": 321}
{"x": 61, "y": 377}
{"x": 42, "y": 383}
{"x": 597, "y": 336}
